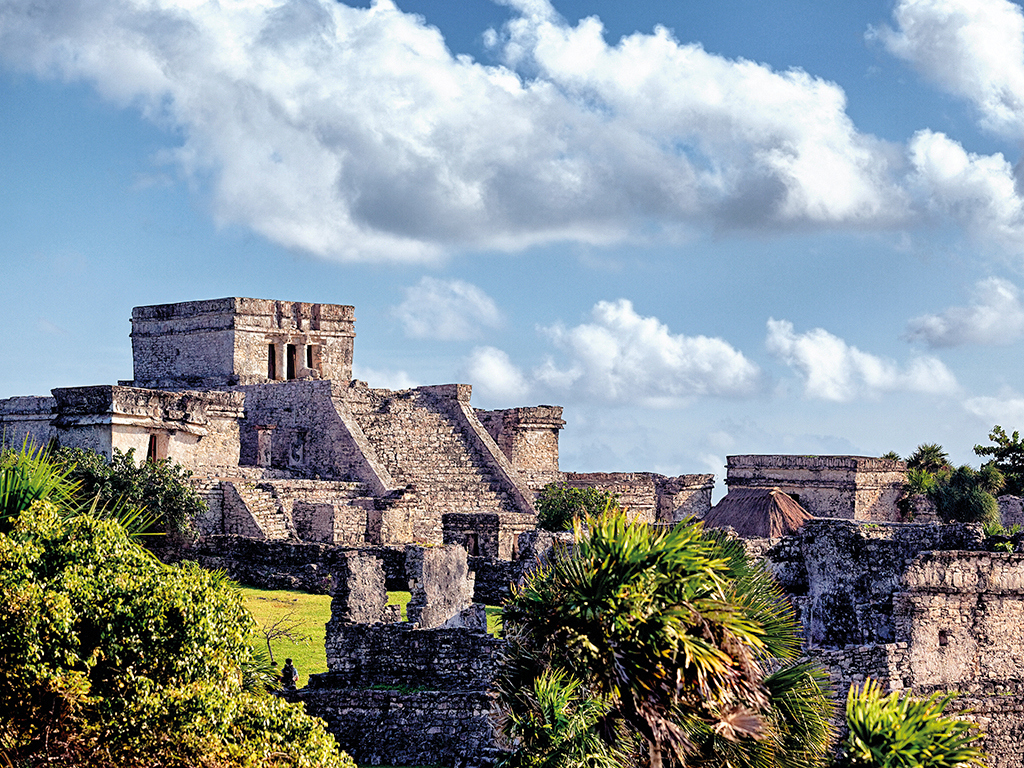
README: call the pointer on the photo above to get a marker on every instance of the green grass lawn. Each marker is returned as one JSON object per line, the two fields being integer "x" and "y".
{"x": 308, "y": 614}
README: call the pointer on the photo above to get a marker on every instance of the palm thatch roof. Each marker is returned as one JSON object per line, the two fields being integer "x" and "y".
{"x": 758, "y": 513}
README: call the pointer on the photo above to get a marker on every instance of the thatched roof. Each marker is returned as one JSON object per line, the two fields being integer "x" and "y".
{"x": 757, "y": 513}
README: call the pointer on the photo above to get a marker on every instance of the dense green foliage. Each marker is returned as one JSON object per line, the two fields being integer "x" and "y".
{"x": 904, "y": 732}
{"x": 161, "y": 488}
{"x": 114, "y": 659}
{"x": 642, "y": 645}
{"x": 558, "y": 505}
{"x": 961, "y": 494}
{"x": 1007, "y": 456}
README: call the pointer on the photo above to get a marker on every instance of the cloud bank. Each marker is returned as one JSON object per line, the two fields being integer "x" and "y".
{"x": 446, "y": 309}
{"x": 833, "y": 370}
{"x": 995, "y": 316}
{"x": 971, "y": 48}
{"x": 355, "y": 134}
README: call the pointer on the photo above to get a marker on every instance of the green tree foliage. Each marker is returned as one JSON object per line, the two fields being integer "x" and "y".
{"x": 965, "y": 495}
{"x": 160, "y": 488}
{"x": 961, "y": 494}
{"x": 891, "y": 456}
{"x": 670, "y": 635}
{"x": 905, "y": 732}
{"x": 1007, "y": 456}
{"x": 113, "y": 659}
{"x": 929, "y": 457}
{"x": 558, "y": 505}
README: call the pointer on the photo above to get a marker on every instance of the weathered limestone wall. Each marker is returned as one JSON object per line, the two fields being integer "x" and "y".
{"x": 289, "y": 564}
{"x": 487, "y": 534}
{"x": 960, "y": 614}
{"x": 440, "y": 584}
{"x": 194, "y": 429}
{"x": 398, "y": 656}
{"x": 529, "y": 439}
{"x": 651, "y": 497}
{"x": 26, "y": 419}
{"x": 386, "y": 727}
{"x": 844, "y": 574}
{"x": 851, "y": 487}
{"x": 223, "y": 342}
{"x": 957, "y": 618}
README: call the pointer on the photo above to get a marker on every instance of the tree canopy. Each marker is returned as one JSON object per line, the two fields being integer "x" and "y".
{"x": 642, "y": 645}
{"x": 115, "y": 659}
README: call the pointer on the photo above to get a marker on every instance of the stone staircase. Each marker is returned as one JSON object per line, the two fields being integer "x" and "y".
{"x": 252, "y": 510}
{"x": 424, "y": 447}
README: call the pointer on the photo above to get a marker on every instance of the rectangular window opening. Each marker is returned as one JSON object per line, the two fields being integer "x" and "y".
{"x": 271, "y": 362}
{"x": 309, "y": 356}
{"x": 291, "y": 361}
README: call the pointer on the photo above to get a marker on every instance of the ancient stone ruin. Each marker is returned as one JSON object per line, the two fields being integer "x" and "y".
{"x": 256, "y": 398}
{"x": 319, "y": 482}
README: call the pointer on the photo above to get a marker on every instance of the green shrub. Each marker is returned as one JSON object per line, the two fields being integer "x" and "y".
{"x": 558, "y": 505}
{"x": 161, "y": 488}
{"x": 904, "y": 732}
{"x": 114, "y": 659}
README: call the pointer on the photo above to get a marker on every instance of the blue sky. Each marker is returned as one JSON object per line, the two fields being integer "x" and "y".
{"x": 703, "y": 228}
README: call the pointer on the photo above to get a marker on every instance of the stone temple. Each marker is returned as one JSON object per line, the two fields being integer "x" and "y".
{"x": 256, "y": 398}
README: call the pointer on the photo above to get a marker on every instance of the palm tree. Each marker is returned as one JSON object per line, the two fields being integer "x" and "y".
{"x": 905, "y": 732}
{"x": 675, "y": 631}
{"x": 930, "y": 457}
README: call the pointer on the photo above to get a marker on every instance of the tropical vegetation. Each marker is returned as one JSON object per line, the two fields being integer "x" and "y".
{"x": 644, "y": 646}
{"x": 905, "y": 732}
{"x": 558, "y": 505}
{"x": 115, "y": 659}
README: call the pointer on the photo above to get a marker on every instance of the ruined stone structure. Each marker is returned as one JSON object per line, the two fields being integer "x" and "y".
{"x": 851, "y": 487}
{"x": 414, "y": 692}
{"x": 256, "y": 398}
{"x": 918, "y": 607}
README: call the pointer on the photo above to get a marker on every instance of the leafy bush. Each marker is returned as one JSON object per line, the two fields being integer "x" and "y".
{"x": 963, "y": 495}
{"x": 558, "y": 505}
{"x": 114, "y": 659}
{"x": 894, "y": 732}
{"x": 161, "y": 488}
{"x": 1007, "y": 456}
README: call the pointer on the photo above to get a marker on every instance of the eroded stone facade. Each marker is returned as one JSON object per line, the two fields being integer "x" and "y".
{"x": 851, "y": 487}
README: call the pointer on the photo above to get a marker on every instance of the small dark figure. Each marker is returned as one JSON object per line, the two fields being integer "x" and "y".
{"x": 289, "y": 675}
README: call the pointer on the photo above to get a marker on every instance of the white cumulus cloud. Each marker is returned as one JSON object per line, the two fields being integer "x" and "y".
{"x": 383, "y": 379}
{"x": 446, "y": 309}
{"x": 1006, "y": 410}
{"x": 622, "y": 356}
{"x": 977, "y": 191}
{"x": 831, "y": 369}
{"x": 354, "y": 133}
{"x": 995, "y": 316}
{"x": 971, "y": 48}
{"x": 495, "y": 377}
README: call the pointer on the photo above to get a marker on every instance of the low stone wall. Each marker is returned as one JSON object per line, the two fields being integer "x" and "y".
{"x": 408, "y": 728}
{"x": 286, "y": 564}
{"x": 399, "y": 656}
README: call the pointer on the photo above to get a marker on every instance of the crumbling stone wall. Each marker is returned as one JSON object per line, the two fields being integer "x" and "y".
{"x": 223, "y": 342}
{"x": 288, "y": 564}
{"x": 440, "y": 584}
{"x": 651, "y": 497}
{"x": 957, "y": 618}
{"x": 851, "y": 487}
{"x": 843, "y": 575}
{"x": 26, "y": 420}
{"x": 529, "y": 438}
{"x": 487, "y": 534}
{"x": 398, "y": 727}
